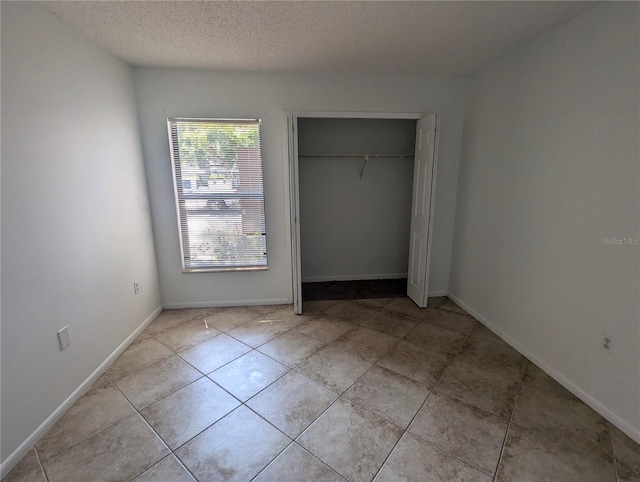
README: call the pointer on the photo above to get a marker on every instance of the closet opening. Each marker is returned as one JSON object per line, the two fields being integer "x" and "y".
{"x": 360, "y": 195}
{"x": 356, "y": 181}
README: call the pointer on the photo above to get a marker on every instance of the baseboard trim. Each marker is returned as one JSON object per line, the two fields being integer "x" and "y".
{"x": 436, "y": 294}
{"x": 620, "y": 423}
{"x": 45, "y": 426}
{"x": 218, "y": 304}
{"x": 352, "y": 277}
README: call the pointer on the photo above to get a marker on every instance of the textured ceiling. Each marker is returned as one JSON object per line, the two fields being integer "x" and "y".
{"x": 434, "y": 38}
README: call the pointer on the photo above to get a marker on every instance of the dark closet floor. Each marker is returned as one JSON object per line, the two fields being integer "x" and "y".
{"x": 354, "y": 290}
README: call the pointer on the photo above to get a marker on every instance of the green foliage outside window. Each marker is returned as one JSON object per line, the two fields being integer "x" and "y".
{"x": 214, "y": 144}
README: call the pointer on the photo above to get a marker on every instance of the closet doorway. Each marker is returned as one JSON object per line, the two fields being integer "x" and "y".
{"x": 361, "y": 190}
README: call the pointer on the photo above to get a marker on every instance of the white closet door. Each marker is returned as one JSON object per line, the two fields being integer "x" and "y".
{"x": 418, "y": 277}
{"x": 294, "y": 190}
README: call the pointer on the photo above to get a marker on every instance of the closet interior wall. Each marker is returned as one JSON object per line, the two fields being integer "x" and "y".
{"x": 356, "y": 181}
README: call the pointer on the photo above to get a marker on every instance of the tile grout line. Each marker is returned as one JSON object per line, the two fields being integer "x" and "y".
{"x": 290, "y": 369}
{"x": 148, "y": 425}
{"x": 272, "y": 460}
{"x": 307, "y": 451}
{"x": 406, "y": 430}
{"x": 244, "y": 403}
{"x": 340, "y": 396}
{"x": 434, "y": 389}
{"x": 544, "y": 433}
{"x": 613, "y": 453}
{"x": 41, "y": 465}
{"x": 518, "y": 395}
{"x": 241, "y": 403}
{"x": 93, "y": 434}
{"x": 171, "y": 452}
{"x": 483, "y": 369}
{"x": 262, "y": 389}
{"x": 204, "y": 318}
{"x": 513, "y": 409}
{"x": 440, "y": 449}
{"x": 335, "y": 317}
{"x": 165, "y": 396}
{"x": 225, "y": 415}
{"x": 202, "y": 375}
{"x": 138, "y": 411}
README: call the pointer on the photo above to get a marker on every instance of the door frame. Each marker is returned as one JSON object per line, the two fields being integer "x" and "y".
{"x": 291, "y": 178}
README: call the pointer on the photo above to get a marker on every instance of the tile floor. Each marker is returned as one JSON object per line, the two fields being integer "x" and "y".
{"x": 352, "y": 390}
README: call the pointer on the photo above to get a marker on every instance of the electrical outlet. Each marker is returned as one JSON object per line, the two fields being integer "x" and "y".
{"x": 63, "y": 338}
{"x": 136, "y": 287}
{"x": 607, "y": 343}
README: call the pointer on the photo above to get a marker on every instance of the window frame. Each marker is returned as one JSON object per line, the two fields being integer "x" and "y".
{"x": 179, "y": 196}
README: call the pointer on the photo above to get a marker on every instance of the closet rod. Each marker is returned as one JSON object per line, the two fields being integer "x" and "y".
{"x": 358, "y": 156}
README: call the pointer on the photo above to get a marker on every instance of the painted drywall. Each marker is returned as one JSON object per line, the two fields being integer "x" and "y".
{"x": 352, "y": 226}
{"x": 76, "y": 228}
{"x": 176, "y": 92}
{"x": 549, "y": 174}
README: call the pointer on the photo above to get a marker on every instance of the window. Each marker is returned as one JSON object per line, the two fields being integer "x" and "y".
{"x": 217, "y": 175}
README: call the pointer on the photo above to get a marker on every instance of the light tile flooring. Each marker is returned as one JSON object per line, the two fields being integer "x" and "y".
{"x": 351, "y": 390}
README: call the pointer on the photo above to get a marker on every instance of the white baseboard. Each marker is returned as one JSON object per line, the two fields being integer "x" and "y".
{"x": 436, "y": 294}
{"x": 352, "y": 277}
{"x": 276, "y": 301}
{"x": 218, "y": 304}
{"x": 623, "y": 425}
{"x": 45, "y": 426}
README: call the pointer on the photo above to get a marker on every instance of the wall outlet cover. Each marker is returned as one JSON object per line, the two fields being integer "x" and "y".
{"x": 64, "y": 338}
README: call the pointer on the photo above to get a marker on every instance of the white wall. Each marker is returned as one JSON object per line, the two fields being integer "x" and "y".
{"x": 76, "y": 228}
{"x": 549, "y": 168}
{"x": 354, "y": 227}
{"x": 175, "y": 92}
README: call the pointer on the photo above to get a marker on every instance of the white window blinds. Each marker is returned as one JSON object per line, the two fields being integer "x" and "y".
{"x": 217, "y": 173}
